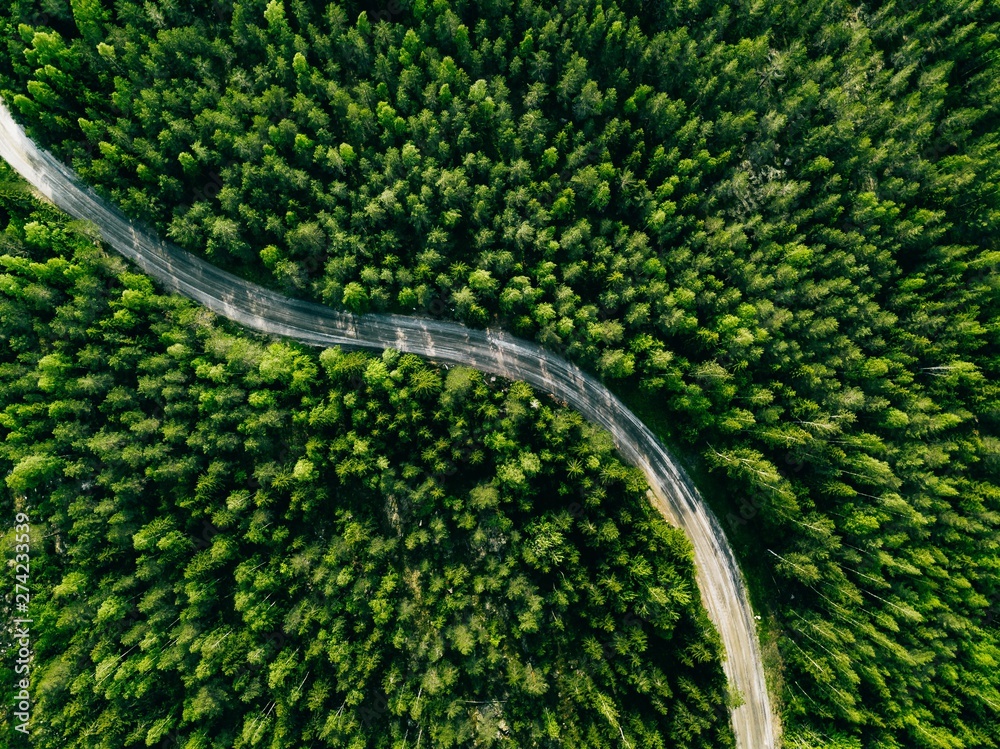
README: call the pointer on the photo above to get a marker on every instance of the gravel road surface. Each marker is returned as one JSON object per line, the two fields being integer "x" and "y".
{"x": 718, "y": 576}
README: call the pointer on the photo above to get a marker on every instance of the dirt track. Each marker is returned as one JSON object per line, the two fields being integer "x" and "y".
{"x": 718, "y": 576}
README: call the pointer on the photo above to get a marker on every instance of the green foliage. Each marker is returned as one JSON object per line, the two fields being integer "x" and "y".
{"x": 777, "y": 221}
{"x": 239, "y": 542}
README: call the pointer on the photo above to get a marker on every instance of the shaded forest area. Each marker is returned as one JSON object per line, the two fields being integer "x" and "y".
{"x": 241, "y": 543}
{"x": 778, "y": 221}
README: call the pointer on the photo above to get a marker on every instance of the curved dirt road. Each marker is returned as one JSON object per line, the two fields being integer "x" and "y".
{"x": 717, "y": 574}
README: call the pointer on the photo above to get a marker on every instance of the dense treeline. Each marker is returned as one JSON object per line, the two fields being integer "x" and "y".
{"x": 240, "y": 543}
{"x": 777, "y": 219}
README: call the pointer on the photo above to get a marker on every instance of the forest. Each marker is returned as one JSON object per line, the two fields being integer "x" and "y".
{"x": 771, "y": 226}
{"x": 230, "y": 551}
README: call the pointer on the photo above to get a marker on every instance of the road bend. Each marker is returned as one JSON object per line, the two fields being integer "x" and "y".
{"x": 719, "y": 579}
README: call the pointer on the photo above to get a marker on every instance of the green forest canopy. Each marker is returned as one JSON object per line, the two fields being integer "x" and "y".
{"x": 247, "y": 543}
{"x": 777, "y": 221}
